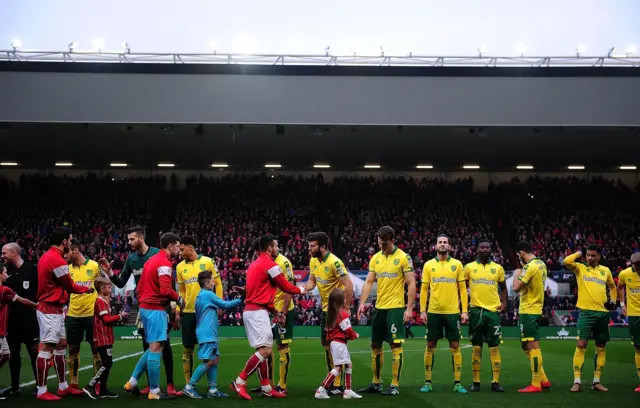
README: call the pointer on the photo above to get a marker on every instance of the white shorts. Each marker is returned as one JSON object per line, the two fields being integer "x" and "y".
{"x": 4, "y": 346}
{"x": 51, "y": 327}
{"x": 340, "y": 353}
{"x": 258, "y": 327}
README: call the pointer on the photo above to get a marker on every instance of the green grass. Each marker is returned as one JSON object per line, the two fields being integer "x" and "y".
{"x": 308, "y": 370}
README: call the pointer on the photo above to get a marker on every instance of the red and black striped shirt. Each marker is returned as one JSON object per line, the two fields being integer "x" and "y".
{"x": 103, "y": 323}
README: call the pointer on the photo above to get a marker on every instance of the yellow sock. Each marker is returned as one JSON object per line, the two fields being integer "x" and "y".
{"x": 73, "y": 363}
{"x": 638, "y": 361}
{"x": 285, "y": 364}
{"x": 578, "y": 362}
{"x": 429, "y": 360}
{"x": 97, "y": 362}
{"x": 396, "y": 365}
{"x": 536, "y": 364}
{"x": 377, "y": 361}
{"x": 456, "y": 361}
{"x": 599, "y": 359}
{"x": 496, "y": 363}
{"x": 476, "y": 362}
{"x": 187, "y": 364}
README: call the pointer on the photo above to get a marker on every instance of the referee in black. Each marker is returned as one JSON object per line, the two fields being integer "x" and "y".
{"x": 23, "y": 325}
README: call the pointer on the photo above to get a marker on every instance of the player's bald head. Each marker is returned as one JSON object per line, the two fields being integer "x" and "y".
{"x": 13, "y": 247}
{"x": 11, "y": 253}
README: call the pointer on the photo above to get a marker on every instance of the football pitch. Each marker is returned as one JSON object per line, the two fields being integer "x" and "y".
{"x": 308, "y": 369}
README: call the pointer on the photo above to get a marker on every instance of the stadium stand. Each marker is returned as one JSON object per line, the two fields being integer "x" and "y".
{"x": 558, "y": 215}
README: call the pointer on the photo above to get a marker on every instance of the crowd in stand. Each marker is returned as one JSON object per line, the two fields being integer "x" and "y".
{"x": 559, "y": 216}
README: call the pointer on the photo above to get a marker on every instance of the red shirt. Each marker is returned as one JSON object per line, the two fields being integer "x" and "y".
{"x": 103, "y": 323}
{"x": 54, "y": 282}
{"x": 7, "y": 296}
{"x": 263, "y": 278}
{"x": 343, "y": 330}
{"x": 155, "y": 289}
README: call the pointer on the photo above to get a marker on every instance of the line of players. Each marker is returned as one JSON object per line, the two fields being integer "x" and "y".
{"x": 443, "y": 282}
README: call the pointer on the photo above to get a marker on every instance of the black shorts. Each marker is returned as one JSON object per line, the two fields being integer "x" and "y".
{"x": 25, "y": 332}
{"x": 79, "y": 329}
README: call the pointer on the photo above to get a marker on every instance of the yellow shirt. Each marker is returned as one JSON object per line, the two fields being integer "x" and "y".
{"x": 631, "y": 281}
{"x": 390, "y": 272}
{"x": 592, "y": 284}
{"x": 187, "y": 276}
{"x": 81, "y": 305}
{"x": 327, "y": 273}
{"x": 444, "y": 279}
{"x": 285, "y": 267}
{"x": 483, "y": 284}
{"x": 534, "y": 276}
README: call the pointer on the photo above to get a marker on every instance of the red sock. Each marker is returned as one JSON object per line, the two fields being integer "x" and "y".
{"x": 250, "y": 367}
{"x": 3, "y": 359}
{"x": 347, "y": 378}
{"x": 61, "y": 366}
{"x": 42, "y": 368}
{"x": 263, "y": 373}
{"x": 328, "y": 380}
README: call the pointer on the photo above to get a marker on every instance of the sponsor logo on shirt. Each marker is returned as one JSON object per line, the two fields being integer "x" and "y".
{"x": 323, "y": 281}
{"x": 635, "y": 291}
{"x": 593, "y": 279}
{"x": 388, "y": 275}
{"x": 443, "y": 280}
{"x": 484, "y": 281}
{"x": 137, "y": 272}
{"x": 191, "y": 280}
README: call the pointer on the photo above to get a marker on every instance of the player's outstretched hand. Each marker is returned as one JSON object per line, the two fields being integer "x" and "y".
{"x": 303, "y": 289}
{"x": 423, "y": 317}
{"x": 408, "y": 315}
{"x": 91, "y": 290}
{"x": 124, "y": 315}
{"x": 464, "y": 318}
{"x": 360, "y": 311}
{"x": 105, "y": 265}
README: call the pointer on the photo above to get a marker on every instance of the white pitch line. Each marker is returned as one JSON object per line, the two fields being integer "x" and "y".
{"x": 231, "y": 354}
{"x": 91, "y": 366}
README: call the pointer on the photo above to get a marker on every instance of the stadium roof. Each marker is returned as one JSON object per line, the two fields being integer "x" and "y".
{"x": 250, "y": 147}
{"x": 480, "y": 60}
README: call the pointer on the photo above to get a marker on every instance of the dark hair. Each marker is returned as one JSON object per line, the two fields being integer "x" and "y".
{"x": 59, "y": 235}
{"x": 203, "y": 277}
{"x": 386, "y": 233}
{"x": 320, "y": 237}
{"x": 138, "y": 230}
{"x": 75, "y": 243}
{"x": 100, "y": 282}
{"x": 264, "y": 242}
{"x": 484, "y": 241}
{"x": 594, "y": 248}
{"x": 336, "y": 303}
{"x": 167, "y": 239}
{"x": 188, "y": 240}
{"x": 442, "y": 236}
{"x": 524, "y": 246}
{"x": 2, "y": 267}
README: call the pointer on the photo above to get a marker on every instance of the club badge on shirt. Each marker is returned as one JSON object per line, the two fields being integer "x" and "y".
{"x": 25, "y": 284}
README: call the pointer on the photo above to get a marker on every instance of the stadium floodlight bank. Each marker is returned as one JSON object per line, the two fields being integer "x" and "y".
{"x": 479, "y": 60}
